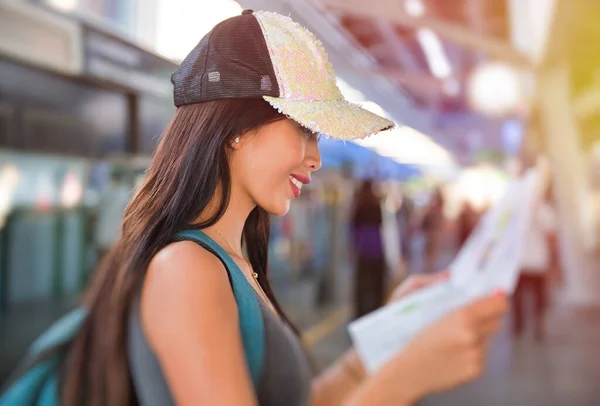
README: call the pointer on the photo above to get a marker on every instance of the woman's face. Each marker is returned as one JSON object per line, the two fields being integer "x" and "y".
{"x": 271, "y": 164}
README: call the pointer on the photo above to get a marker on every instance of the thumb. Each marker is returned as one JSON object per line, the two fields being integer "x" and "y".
{"x": 421, "y": 281}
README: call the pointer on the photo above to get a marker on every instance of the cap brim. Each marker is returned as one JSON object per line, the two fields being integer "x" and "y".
{"x": 337, "y": 119}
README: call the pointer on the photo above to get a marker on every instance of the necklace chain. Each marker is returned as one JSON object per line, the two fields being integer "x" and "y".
{"x": 254, "y": 274}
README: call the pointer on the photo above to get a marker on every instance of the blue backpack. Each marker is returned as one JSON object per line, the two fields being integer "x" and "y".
{"x": 36, "y": 380}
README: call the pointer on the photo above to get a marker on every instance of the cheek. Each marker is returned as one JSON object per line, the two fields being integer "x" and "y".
{"x": 275, "y": 171}
{"x": 278, "y": 160}
{"x": 266, "y": 170}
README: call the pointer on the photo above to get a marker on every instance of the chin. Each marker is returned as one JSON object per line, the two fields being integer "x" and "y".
{"x": 279, "y": 209}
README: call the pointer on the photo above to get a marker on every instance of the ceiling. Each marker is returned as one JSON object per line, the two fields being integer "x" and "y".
{"x": 379, "y": 47}
{"x": 400, "y": 55}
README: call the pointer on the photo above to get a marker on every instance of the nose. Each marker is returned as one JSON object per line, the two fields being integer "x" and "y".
{"x": 313, "y": 156}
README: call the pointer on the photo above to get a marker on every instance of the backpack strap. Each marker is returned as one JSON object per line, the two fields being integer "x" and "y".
{"x": 35, "y": 381}
{"x": 251, "y": 321}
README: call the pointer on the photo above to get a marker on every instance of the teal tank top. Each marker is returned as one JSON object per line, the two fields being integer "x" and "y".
{"x": 279, "y": 366}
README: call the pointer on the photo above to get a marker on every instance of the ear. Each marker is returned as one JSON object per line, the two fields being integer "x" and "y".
{"x": 241, "y": 140}
{"x": 236, "y": 143}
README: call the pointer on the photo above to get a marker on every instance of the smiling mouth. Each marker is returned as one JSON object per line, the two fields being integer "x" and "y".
{"x": 296, "y": 182}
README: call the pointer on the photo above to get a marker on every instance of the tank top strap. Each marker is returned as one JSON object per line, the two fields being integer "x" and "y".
{"x": 250, "y": 316}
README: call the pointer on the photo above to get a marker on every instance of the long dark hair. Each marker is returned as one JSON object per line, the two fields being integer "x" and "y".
{"x": 190, "y": 166}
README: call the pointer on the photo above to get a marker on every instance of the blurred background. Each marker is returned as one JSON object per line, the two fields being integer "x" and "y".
{"x": 480, "y": 90}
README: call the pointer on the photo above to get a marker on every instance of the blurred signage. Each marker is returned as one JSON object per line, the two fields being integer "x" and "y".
{"x": 120, "y": 14}
{"x": 113, "y": 59}
{"x": 38, "y": 37}
{"x": 93, "y": 123}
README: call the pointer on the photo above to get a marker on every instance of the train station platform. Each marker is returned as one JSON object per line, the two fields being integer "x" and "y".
{"x": 563, "y": 369}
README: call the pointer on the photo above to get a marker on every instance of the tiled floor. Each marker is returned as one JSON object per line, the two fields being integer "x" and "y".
{"x": 564, "y": 370}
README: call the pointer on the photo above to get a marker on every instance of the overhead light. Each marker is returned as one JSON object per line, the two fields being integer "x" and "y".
{"x": 482, "y": 184}
{"x": 414, "y": 8}
{"x": 495, "y": 89}
{"x": 64, "y": 5}
{"x": 72, "y": 190}
{"x": 9, "y": 181}
{"x": 434, "y": 51}
{"x": 407, "y": 145}
{"x": 451, "y": 86}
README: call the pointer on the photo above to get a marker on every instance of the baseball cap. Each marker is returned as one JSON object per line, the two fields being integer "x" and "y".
{"x": 267, "y": 55}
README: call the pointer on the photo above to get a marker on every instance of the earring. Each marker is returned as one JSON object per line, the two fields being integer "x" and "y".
{"x": 237, "y": 140}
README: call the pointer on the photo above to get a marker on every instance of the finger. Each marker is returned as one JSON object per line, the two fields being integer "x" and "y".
{"x": 490, "y": 327}
{"x": 417, "y": 282}
{"x": 484, "y": 333}
{"x": 488, "y": 308}
{"x": 425, "y": 280}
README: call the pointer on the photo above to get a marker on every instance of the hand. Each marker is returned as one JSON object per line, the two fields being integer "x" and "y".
{"x": 416, "y": 282}
{"x": 452, "y": 351}
{"x": 449, "y": 353}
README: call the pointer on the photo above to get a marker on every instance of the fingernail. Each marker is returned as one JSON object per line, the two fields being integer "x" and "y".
{"x": 498, "y": 292}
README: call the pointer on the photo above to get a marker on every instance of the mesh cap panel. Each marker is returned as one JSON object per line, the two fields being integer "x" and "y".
{"x": 231, "y": 61}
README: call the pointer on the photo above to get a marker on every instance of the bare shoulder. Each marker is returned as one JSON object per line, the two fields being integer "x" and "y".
{"x": 182, "y": 278}
{"x": 177, "y": 259}
{"x": 190, "y": 319}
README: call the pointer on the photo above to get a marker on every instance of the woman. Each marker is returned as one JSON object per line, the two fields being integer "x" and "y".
{"x": 432, "y": 228}
{"x": 540, "y": 264}
{"x": 163, "y": 325}
{"x": 467, "y": 221}
{"x": 370, "y": 273}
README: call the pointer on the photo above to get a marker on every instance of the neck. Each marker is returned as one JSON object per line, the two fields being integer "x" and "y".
{"x": 231, "y": 225}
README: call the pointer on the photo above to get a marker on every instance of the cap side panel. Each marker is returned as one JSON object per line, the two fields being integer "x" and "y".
{"x": 303, "y": 68}
{"x": 266, "y": 37}
{"x": 238, "y": 63}
{"x": 188, "y": 76}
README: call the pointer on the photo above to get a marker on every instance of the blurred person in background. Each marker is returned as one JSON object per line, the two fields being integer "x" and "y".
{"x": 163, "y": 325}
{"x": 432, "y": 229}
{"x": 406, "y": 225}
{"x": 370, "y": 272}
{"x": 540, "y": 265}
{"x": 467, "y": 221}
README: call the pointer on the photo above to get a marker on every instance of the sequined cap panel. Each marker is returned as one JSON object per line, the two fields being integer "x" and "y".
{"x": 301, "y": 64}
{"x": 338, "y": 119}
{"x": 308, "y": 93}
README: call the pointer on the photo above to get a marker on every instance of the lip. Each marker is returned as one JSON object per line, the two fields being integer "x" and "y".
{"x": 297, "y": 192}
{"x": 302, "y": 178}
